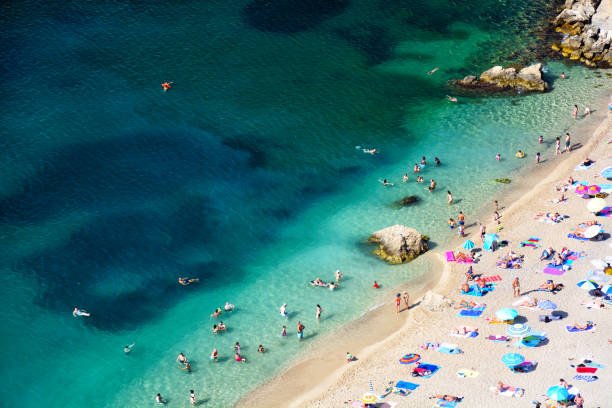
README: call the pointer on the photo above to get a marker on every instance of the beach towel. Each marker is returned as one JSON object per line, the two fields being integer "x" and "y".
{"x": 589, "y": 370}
{"x": 450, "y": 256}
{"x": 510, "y": 392}
{"x": 554, "y": 271}
{"x": 465, "y": 373}
{"x": 571, "y": 329}
{"x": 470, "y": 313}
{"x": 430, "y": 367}
{"x": 445, "y": 404}
{"x": 489, "y": 279}
{"x": 583, "y": 167}
{"x": 587, "y": 378}
{"x": 498, "y": 338}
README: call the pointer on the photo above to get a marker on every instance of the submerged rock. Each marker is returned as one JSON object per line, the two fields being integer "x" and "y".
{"x": 528, "y": 79}
{"x": 398, "y": 244}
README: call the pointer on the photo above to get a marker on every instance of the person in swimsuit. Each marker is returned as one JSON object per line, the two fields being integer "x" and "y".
{"x": 398, "y": 302}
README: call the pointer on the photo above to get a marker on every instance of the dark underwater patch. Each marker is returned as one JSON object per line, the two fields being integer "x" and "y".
{"x": 288, "y": 16}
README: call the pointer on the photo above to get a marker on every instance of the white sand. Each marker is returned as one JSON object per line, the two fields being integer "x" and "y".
{"x": 324, "y": 379}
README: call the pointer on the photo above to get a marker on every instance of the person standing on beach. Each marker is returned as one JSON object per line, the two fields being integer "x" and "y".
{"x": 319, "y": 310}
{"x": 398, "y": 302}
{"x": 537, "y": 157}
{"x": 449, "y": 197}
{"x": 406, "y": 299}
{"x": 557, "y": 146}
{"x": 567, "y": 143}
{"x": 300, "y": 330}
{"x": 575, "y": 112}
{"x": 516, "y": 286}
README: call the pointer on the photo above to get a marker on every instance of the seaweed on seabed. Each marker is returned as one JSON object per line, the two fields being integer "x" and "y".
{"x": 288, "y": 16}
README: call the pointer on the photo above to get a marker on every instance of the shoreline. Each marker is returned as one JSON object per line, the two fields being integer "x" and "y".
{"x": 292, "y": 386}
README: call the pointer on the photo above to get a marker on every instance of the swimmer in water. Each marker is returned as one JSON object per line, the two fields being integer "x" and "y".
{"x": 127, "y": 349}
{"x": 283, "y": 311}
{"x": 77, "y": 312}
{"x": 369, "y": 151}
{"x": 187, "y": 281}
{"x": 386, "y": 183}
{"x": 451, "y": 98}
{"x": 433, "y": 70}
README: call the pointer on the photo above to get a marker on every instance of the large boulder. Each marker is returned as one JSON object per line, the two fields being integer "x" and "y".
{"x": 398, "y": 244}
{"x": 528, "y": 79}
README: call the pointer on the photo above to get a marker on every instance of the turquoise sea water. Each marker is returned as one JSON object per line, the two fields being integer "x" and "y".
{"x": 244, "y": 174}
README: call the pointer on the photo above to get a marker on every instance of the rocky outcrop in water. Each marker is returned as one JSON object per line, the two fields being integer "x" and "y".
{"x": 586, "y": 28}
{"x": 528, "y": 79}
{"x": 398, "y": 244}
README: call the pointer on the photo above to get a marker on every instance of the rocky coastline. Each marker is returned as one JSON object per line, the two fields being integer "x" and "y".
{"x": 586, "y": 29}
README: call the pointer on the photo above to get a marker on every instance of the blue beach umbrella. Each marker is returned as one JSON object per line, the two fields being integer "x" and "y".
{"x": 547, "y": 305}
{"x": 607, "y": 289}
{"x": 518, "y": 330}
{"x": 557, "y": 393}
{"x": 468, "y": 244}
{"x": 587, "y": 285}
{"x": 506, "y": 314}
{"x": 512, "y": 359}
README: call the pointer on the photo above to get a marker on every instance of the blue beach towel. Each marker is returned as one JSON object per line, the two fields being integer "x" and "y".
{"x": 406, "y": 385}
{"x": 471, "y": 313}
{"x": 431, "y": 367}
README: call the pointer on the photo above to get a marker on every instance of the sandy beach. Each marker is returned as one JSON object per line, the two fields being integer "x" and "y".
{"x": 379, "y": 339}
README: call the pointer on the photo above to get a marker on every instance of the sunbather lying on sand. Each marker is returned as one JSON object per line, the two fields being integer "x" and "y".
{"x": 529, "y": 302}
{"x": 584, "y": 326}
{"x": 465, "y": 304}
{"x": 449, "y": 398}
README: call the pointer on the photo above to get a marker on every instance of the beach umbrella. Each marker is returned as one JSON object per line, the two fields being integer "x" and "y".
{"x": 547, "y": 305}
{"x": 596, "y": 204}
{"x": 468, "y": 245}
{"x": 369, "y": 398}
{"x": 587, "y": 285}
{"x": 506, "y": 314}
{"x": 592, "y": 231}
{"x": 607, "y": 173}
{"x": 410, "y": 358}
{"x": 512, "y": 359}
{"x": 518, "y": 330}
{"x": 557, "y": 393}
{"x": 581, "y": 189}
{"x": 607, "y": 289}
{"x": 593, "y": 189}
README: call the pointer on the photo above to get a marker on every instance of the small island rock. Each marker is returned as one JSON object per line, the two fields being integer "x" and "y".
{"x": 398, "y": 244}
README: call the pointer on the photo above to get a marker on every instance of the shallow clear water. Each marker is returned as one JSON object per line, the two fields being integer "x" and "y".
{"x": 244, "y": 174}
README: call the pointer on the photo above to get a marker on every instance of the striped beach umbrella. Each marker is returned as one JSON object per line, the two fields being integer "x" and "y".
{"x": 557, "y": 393}
{"x": 518, "y": 330}
{"x": 468, "y": 244}
{"x": 607, "y": 289}
{"x": 506, "y": 314}
{"x": 547, "y": 305}
{"x": 369, "y": 398}
{"x": 410, "y": 358}
{"x": 512, "y": 359}
{"x": 587, "y": 285}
